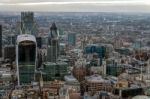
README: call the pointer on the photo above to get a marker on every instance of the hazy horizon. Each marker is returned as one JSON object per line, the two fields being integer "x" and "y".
{"x": 76, "y": 5}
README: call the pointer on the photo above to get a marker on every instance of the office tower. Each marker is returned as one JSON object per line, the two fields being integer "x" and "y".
{"x": 9, "y": 52}
{"x": 53, "y": 71}
{"x": 99, "y": 49}
{"x": 93, "y": 48}
{"x": 53, "y": 44}
{"x": 40, "y": 60}
{"x": 72, "y": 39}
{"x": 0, "y": 40}
{"x": 39, "y": 42}
{"x": 28, "y": 25}
{"x": 26, "y": 58}
{"x": 11, "y": 40}
{"x": 113, "y": 68}
{"x": 62, "y": 49}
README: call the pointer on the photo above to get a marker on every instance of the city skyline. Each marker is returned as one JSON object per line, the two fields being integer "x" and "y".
{"x": 74, "y": 55}
{"x": 76, "y": 5}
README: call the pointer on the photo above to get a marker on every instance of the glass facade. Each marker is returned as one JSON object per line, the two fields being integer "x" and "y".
{"x": 114, "y": 70}
{"x": 26, "y": 61}
{"x": 53, "y": 44}
{"x": 100, "y": 50}
{"x": 53, "y": 71}
{"x": 72, "y": 39}
{"x": 28, "y": 25}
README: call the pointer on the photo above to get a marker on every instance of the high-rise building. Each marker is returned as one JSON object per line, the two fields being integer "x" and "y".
{"x": 72, "y": 39}
{"x": 39, "y": 42}
{"x": 9, "y": 52}
{"x": 28, "y": 25}
{"x": 11, "y": 39}
{"x": 0, "y": 40}
{"x": 26, "y": 57}
{"x": 114, "y": 69}
{"x": 53, "y": 71}
{"x": 62, "y": 48}
{"x": 100, "y": 50}
{"x": 53, "y": 44}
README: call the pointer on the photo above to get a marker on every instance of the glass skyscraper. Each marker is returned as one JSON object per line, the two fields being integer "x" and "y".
{"x": 28, "y": 25}
{"x": 26, "y": 57}
{"x": 53, "y": 44}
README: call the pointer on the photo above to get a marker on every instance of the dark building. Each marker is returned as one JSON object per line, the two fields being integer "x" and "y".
{"x": 129, "y": 92}
{"x": 100, "y": 50}
{"x": 53, "y": 44}
{"x": 0, "y": 40}
{"x": 9, "y": 52}
{"x": 40, "y": 60}
{"x": 26, "y": 58}
{"x": 39, "y": 42}
{"x": 123, "y": 51}
{"x": 54, "y": 71}
{"x": 114, "y": 69}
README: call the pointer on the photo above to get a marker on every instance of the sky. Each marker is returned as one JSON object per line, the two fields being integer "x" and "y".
{"x": 76, "y": 5}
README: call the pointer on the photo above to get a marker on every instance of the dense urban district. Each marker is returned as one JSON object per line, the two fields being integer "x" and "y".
{"x": 74, "y": 55}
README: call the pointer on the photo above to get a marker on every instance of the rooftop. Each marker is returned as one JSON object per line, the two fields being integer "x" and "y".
{"x": 96, "y": 78}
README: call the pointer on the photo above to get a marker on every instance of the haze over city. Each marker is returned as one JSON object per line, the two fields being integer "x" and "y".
{"x": 74, "y": 49}
{"x": 76, "y": 5}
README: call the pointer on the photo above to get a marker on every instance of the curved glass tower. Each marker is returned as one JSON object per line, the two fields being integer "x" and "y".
{"x": 26, "y": 57}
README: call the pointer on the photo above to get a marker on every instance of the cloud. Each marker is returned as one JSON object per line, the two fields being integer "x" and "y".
{"x": 36, "y": 1}
{"x": 76, "y": 5}
{"x": 46, "y": 2}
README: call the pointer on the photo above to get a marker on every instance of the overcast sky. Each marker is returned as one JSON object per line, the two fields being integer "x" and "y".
{"x": 76, "y": 5}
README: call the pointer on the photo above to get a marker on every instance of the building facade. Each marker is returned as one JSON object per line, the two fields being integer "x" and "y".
{"x": 27, "y": 23}
{"x": 26, "y": 57}
{"x": 54, "y": 71}
{"x": 53, "y": 44}
{"x": 72, "y": 39}
{"x": 0, "y": 40}
{"x": 9, "y": 52}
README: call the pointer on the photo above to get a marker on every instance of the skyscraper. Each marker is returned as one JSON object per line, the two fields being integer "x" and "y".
{"x": 53, "y": 44}
{"x": 0, "y": 40}
{"x": 26, "y": 57}
{"x": 72, "y": 39}
{"x": 28, "y": 25}
{"x": 53, "y": 71}
{"x": 94, "y": 48}
{"x": 39, "y": 42}
{"x": 11, "y": 39}
{"x": 9, "y": 52}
